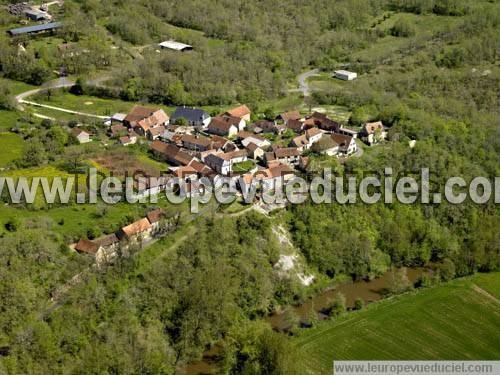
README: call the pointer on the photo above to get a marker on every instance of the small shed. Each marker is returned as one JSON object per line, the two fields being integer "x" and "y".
{"x": 345, "y": 75}
{"x": 176, "y": 46}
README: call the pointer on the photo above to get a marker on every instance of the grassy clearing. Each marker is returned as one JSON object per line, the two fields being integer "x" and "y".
{"x": 244, "y": 166}
{"x": 11, "y": 147}
{"x": 84, "y": 103}
{"x": 451, "y": 321}
{"x": 16, "y": 87}
{"x": 8, "y": 119}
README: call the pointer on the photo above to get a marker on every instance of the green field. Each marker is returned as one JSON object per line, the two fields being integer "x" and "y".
{"x": 453, "y": 321}
{"x": 11, "y": 147}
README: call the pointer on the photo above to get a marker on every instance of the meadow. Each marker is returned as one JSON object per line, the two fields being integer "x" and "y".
{"x": 11, "y": 147}
{"x": 452, "y": 321}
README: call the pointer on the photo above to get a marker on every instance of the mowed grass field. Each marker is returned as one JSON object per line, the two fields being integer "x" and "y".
{"x": 453, "y": 321}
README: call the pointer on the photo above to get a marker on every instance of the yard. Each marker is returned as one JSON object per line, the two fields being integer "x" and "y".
{"x": 244, "y": 166}
{"x": 444, "y": 322}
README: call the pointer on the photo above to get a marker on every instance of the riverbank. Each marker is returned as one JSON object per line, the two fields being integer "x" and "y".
{"x": 455, "y": 320}
{"x": 368, "y": 290}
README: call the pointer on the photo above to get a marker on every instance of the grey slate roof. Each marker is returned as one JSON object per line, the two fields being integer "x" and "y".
{"x": 35, "y": 29}
{"x": 190, "y": 114}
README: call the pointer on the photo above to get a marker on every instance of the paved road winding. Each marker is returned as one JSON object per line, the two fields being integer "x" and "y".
{"x": 303, "y": 84}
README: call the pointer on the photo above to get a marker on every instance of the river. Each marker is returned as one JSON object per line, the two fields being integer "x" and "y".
{"x": 368, "y": 290}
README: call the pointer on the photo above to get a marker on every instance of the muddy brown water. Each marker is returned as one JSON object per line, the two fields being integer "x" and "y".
{"x": 368, "y": 290}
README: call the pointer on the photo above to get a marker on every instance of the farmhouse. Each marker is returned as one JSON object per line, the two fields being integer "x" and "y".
{"x": 373, "y": 132}
{"x": 103, "y": 248}
{"x": 175, "y": 46}
{"x": 155, "y": 217}
{"x": 139, "y": 230}
{"x": 345, "y": 75}
{"x": 242, "y": 112}
{"x": 192, "y": 116}
{"x": 81, "y": 135}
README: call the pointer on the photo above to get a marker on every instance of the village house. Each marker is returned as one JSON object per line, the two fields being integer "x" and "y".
{"x": 246, "y": 138}
{"x": 171, "y": 153}
{"x": 326, "y": 146}
{"x": 136, "y": 232}
{"x": 223, "y": 162}
{"x": 241, "y": 112}
{"x": 197, "y": 143}
{"x": 201, "y": 168}
{"x": 305, "y": 141}
{"x": 373, "y": 132}
{"x": 254, "y": 151}
{"x": 313, "y": 135}
{"x": 193, "y": 117}
{"x": 155, "y": 133}
{"x": 286, "y": 117}
{"x": 223, "y": 144}
{"x": 266, "y": 126}
{"x": 141, "y": 119}
{"x": 321, "y": 121}
{"x": 155, "y": 218}
{"x": 226, "y": 126}
{"x": 285, "y": 155}
{"x": 81, "y": 135}
{"x": 184, "y": 173}
{"x": 267, "y": 178}
{"x": 300, "y": 142}
{"x": 296, "y": 125}
{"x": 347, "y": 145}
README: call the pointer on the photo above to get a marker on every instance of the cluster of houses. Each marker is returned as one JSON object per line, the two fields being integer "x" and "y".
{"x": 194, "y": 143}
{"x": 108, "y": 247}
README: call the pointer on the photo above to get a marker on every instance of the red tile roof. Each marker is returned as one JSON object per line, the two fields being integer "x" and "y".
{"x": 137, "y": 227}
{"x": 240, "y": 111}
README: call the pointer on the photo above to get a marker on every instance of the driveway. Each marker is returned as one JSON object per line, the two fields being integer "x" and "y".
{"x": 303, "y": 84}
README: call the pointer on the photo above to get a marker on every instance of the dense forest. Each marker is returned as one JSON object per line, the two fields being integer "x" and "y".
{"x": 437, "y": 85}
